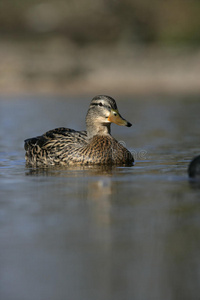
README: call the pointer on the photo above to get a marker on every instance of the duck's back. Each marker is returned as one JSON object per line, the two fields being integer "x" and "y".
{"x": 56, "y": 146}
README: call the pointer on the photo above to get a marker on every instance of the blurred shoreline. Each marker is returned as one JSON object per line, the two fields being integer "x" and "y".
{"x": 57, "y": 66}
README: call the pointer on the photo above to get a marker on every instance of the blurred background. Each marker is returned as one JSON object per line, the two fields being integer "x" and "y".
{"x": 105, "y": 46}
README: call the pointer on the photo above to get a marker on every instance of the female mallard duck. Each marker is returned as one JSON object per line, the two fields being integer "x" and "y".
{"x": 95, "y": 146}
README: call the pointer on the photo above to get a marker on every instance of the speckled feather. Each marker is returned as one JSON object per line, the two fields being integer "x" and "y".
{"x": 65, "y": 146}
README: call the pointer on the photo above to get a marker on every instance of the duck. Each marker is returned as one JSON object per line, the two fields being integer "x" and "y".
{"x": 93, "y": 146}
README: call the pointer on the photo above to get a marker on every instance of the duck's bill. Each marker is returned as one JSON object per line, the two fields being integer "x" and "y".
{"x": 116, "y": 118}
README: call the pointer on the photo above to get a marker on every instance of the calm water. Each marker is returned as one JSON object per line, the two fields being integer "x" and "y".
{"x": 101, "y": 233}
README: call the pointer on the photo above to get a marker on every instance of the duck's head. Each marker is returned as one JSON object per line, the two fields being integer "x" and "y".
{"x": 102, "y": 112}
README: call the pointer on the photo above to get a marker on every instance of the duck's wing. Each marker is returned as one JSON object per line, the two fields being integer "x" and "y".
{"x": 53, "y": 138}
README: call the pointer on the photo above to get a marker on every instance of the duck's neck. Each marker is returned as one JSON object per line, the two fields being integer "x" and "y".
{"x": 97, "y": 129}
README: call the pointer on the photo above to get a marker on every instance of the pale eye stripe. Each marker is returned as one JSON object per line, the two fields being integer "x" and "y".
{"x": 97, "y": 104}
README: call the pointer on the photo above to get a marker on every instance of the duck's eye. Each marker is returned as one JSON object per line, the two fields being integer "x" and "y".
{"x": 100, "y": 104}
{"x": 115, "y": 114}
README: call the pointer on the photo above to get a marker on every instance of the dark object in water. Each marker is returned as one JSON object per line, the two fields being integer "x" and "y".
{"x": 194, "y": 168}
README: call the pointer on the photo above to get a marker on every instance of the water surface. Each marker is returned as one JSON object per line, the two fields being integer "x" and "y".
{"x": 101, "y": 233}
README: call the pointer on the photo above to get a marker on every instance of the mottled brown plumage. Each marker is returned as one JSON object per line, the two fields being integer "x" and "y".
{"x": 96, "y": 146}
